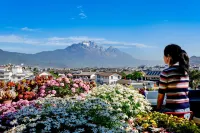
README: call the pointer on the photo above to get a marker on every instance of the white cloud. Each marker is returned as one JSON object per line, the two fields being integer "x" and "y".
{"x": 28, "y": 29}
{"x": 100, "y": 41}
{"x": 17, "y": 39}
{"x": 82, "y": 15}
{"x": 66, "y": 41}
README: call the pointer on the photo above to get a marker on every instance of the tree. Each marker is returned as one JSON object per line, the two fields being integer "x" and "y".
{"x": 194, "y": 78}
{"x": 54, "y": 74}
{"x": 35, "y": 69}
{"x": 134, "y": 76}
{"x": 123, "y": 75}
{"x": 137, "y": 75}
{"x": 129, "y": 76}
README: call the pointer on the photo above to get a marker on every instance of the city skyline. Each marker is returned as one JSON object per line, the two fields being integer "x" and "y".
{"x": 140, "y": 28}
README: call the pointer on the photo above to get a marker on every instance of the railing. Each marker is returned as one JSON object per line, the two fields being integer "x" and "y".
{"x": 194, "y": 96}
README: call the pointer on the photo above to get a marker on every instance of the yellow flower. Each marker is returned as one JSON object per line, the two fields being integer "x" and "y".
{"x": 154, "y": 125}
{"x": 145, "y": 125}
{"x": 139, "y": 116}
{"x": 152, "y": 121}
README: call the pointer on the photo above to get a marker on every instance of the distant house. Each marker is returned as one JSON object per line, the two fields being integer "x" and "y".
{"x": 152, "y": 75}
{"x": 85, "y": 75}
{"x": 18, "y": 73}
{"x": 5, "y": 74}
{"x": 107, "y": 78}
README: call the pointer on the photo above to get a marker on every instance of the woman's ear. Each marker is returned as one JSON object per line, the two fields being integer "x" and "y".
{"x": 168, "y": 60}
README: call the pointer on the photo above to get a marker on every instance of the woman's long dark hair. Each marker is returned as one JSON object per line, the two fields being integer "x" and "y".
{"x": 177, "y": 56}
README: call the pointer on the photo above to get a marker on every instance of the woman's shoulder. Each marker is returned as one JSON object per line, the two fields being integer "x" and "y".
{"x": 171, "y": 69}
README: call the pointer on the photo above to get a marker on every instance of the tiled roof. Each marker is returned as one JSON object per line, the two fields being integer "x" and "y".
{"x": 153, "y": 73}
{"x": 84, "y": 74}
{"x": 106, "y": 73}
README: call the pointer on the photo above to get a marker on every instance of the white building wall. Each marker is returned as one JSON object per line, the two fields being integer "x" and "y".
{"x": 114, "y": 78}
{"x": 17, "y": 69}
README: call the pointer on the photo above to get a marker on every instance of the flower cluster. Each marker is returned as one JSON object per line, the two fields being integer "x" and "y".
{"x": 153, "y": 122}
{"x": 64, "y": 86}
{"x": 14, "y": 106}
{"x": 122, "y": 99}
{"x": 64, "y": 115}
{"x": 7, "y": 94}
{"x": 43, "y": 86}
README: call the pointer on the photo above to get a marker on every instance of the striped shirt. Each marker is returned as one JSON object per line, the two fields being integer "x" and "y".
{"x": 175, "y": 85}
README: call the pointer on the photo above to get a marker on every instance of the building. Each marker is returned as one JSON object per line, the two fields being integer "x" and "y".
{"x": 5, "y": 74}
{"x": 14, "y": 73}
{"x": 19, "y": 73}
{"x": 137, "y": 84}
{"x": 85, "y": 75}
{"x": 107, "y": 78}
{"x": 152, "y": 75}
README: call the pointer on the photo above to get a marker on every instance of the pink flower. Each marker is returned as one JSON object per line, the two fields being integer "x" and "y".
{"x": 49, "y": 92}
{"x": 73, "y": 90}
{"x": 62, "y": 84}
{"x": 42, "y": 95}
{"x": 66, "y": 78}
{"x": 86, "y": 89}
{"x": 42, "y": 91}
{"x": 48, "y": 82}
{"x": 67, "y": 81}
{"x": 81, "y": 84}
{"x": 75, "y": 86}
{"x": 59, "y": 79}
{"x": 63, "y": 76}
{"x": 57, "y": 84}
{"x": 14, "y": 103}
{"x": 69, "y": 75}
{"x": 43, "y": 87}
{"x": 130, "y": 121}
{"x": 82, "y": 95}
{"x": 53, "y": 92}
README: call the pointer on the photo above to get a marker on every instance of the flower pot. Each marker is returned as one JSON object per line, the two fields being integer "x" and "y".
{"x": 8, "y": 102}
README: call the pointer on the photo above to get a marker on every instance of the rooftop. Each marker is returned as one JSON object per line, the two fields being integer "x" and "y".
{"x": 84, "y": 74}
{"x": 106, "y": 73}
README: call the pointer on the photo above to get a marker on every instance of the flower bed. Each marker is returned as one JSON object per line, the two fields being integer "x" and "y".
{"x": 62, "y": 115}
{"x": 159, "y": 122}
{"x": 67, "y": 105}
{"x": 44, "y": 86}
{"x": 122, "y": 99}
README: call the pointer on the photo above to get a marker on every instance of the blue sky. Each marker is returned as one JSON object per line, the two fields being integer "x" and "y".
{"x": 141, "y": 28}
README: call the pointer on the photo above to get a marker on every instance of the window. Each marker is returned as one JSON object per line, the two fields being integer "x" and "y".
{"x": 118, "y": 77}
{"x": 19, "y": 78}
{"x": 111, "y": 77}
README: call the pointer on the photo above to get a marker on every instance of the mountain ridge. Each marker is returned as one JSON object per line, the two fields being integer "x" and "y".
{"x": 85, "y": 54}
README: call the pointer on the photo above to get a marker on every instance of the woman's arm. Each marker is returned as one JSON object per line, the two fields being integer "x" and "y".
{"x": 163, "y": 84}
{"x": 160, "y": 100}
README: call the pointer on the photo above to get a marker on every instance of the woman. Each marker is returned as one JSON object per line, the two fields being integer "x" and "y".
{"x": 174, "y": 81}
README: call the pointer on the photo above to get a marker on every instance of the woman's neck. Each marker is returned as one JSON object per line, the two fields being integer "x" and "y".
{"x": 176, "y": 64}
